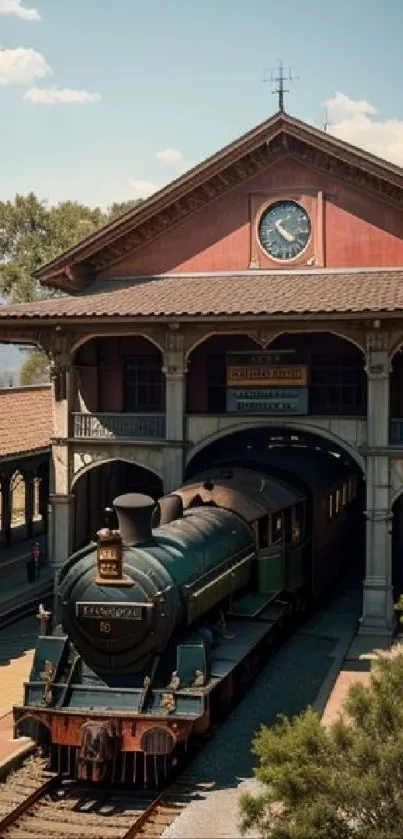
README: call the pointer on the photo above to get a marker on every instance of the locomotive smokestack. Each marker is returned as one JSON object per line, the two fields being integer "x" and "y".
{"x": 134, "y": 512}
{"x": 169, "y": 508}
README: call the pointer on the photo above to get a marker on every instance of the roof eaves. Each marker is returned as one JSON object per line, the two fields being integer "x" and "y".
{"x": 180, "y": 185}
{"x": 332, "y": 141}
{"x": 145, "y": 209}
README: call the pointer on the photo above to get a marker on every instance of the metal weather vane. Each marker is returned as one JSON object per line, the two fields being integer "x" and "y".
{"x": 277, "y": 78}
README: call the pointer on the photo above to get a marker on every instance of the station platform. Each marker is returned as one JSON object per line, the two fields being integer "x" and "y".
{"x": 15, "y": 590}
{"x": 17, "y": 639}
{"x": 17, "y": 643}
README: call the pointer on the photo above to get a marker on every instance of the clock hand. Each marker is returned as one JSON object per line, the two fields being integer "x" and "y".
{"x": 284, "y": 233}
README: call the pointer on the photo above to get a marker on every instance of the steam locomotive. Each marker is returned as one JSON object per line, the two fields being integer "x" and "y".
{"x": 167, "y": 617}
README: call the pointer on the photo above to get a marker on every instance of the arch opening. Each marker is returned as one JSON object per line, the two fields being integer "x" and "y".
{"x": 337, "y": 379}
{"x": 95, "y": 489}
{"x": 397, "y": 546}
{"x": 396, "y": 398}
{"x": 327, "y": 475}
{"x": 119, "y": 374}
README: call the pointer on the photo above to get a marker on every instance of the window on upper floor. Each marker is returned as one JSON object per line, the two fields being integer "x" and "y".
{"x": 144, "y": 384}
{"x": 338, "y": 385}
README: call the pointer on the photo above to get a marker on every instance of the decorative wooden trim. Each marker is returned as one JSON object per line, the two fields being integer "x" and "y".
{"x": 347, "y": 170}
{"x": 234, "y": 174}
{"x": 279, "y": 136}
{"x": 190, "y": 204}
{"x": 320, "y": 233}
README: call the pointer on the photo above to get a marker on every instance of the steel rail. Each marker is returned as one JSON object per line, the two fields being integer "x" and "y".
{"x": 12, "y": 817}
{"x": 144, "y": 817}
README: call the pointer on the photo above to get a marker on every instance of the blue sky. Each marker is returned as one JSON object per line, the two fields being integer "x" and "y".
{"x": 168, "y": 82}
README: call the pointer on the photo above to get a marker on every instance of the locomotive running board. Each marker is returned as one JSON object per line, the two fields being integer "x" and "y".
{"x": 251, "y": 605}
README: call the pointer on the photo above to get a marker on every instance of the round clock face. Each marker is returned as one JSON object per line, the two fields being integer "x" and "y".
{"x": 284, "y": 230}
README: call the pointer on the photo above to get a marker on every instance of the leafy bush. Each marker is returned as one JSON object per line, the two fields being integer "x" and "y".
{"x": 337, "y": 782}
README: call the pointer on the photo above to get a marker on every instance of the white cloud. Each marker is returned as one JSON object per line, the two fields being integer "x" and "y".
{"x": 15, "y": 7}
{"x": 22, "y": 66}
{"x": 142, "y": 189}
{"x": 53, "y": 96}
{"x": 169, "y": 155}
{"x": 355, "y": 121}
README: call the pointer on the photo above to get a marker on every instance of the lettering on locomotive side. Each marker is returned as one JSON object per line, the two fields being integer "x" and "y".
{"x": 110, "y": 611}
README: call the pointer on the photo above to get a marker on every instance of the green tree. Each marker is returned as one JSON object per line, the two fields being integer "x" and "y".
{"x": 119, "y": 207}
{"x": 341, "y": 782}
{"x": 35, "y": 369}
{"x": 32, "y": 233}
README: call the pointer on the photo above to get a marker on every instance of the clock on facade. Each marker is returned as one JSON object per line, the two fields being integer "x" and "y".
{"x": 284, "y": 230}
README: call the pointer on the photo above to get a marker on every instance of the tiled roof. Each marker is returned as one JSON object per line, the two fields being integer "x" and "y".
{"x": 25, "y": 419}
{"x": 247, "y": 293}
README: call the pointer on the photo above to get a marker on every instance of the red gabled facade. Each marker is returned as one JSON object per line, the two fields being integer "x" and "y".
{"x": 350, "y": 228}
{"x": 206, "y": 220}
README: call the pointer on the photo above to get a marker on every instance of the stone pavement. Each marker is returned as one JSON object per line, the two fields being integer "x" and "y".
{"x": 17, "y": 644}
{"x": 15, "y": 590}
{"x": 355, "y": 667}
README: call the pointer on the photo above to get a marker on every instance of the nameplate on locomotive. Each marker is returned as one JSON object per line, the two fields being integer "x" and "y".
{"x": 110, "y": 611}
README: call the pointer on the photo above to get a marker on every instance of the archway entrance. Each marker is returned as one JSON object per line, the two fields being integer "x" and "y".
{"x": 251, "y": 443}
{"x": 397, "y": 547}
{"x": 328, "y": 476}
{"x": 96, "y": 488}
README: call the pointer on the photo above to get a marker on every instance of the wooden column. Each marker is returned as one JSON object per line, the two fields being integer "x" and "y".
{"x": 29, "y": 505}
{"x": 378, "y": 612}
{"x": 175, "y": 369}
{"x": 6, "y": 510}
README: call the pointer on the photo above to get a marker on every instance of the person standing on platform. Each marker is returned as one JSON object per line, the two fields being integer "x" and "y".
{"x": 36, "y": 556}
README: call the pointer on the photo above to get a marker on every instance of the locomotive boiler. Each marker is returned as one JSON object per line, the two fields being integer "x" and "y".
{"x": 163, "y": 620}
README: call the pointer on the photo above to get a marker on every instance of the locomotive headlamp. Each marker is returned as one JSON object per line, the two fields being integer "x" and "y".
{"x": 110, "y": 558}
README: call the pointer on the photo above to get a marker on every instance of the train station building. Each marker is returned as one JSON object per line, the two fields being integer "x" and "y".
{"x": 259, "y": 294}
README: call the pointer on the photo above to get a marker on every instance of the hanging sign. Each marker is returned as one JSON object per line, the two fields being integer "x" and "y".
{"x": 267, "y": 400}
{"x": 269, "y": 375}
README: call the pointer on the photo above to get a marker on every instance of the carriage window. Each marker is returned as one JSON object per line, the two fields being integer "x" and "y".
{"x": 276, "y": 527}
{"x": 337, "y": 501}
{"x": 263, "y": 532}
{"x": 330, "y": 506}
{"x": 296, "y": 523}
{"x": 344, "y": 495}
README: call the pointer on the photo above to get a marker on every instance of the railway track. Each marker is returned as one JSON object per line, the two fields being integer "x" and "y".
{"x": 30, "y": 605}
{"x": 35, "y": 803}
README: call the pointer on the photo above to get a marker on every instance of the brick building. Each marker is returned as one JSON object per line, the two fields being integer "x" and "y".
{"x": 25, "y": 433}
{"x": 285, "y": 250}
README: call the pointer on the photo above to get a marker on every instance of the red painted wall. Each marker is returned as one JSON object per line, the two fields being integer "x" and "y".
{"x": 358, "y": 230}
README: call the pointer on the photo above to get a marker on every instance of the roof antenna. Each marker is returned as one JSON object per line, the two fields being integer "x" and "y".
{"x": 284, "y": 74}
{"x": 326, "y": 125}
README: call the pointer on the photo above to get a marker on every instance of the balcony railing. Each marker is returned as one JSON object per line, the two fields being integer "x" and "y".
{"x": 117, "y": 426}
{"x": 396, "y": 432}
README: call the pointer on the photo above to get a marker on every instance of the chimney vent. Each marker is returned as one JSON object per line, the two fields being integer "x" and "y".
{"x": 134, "y": 512}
